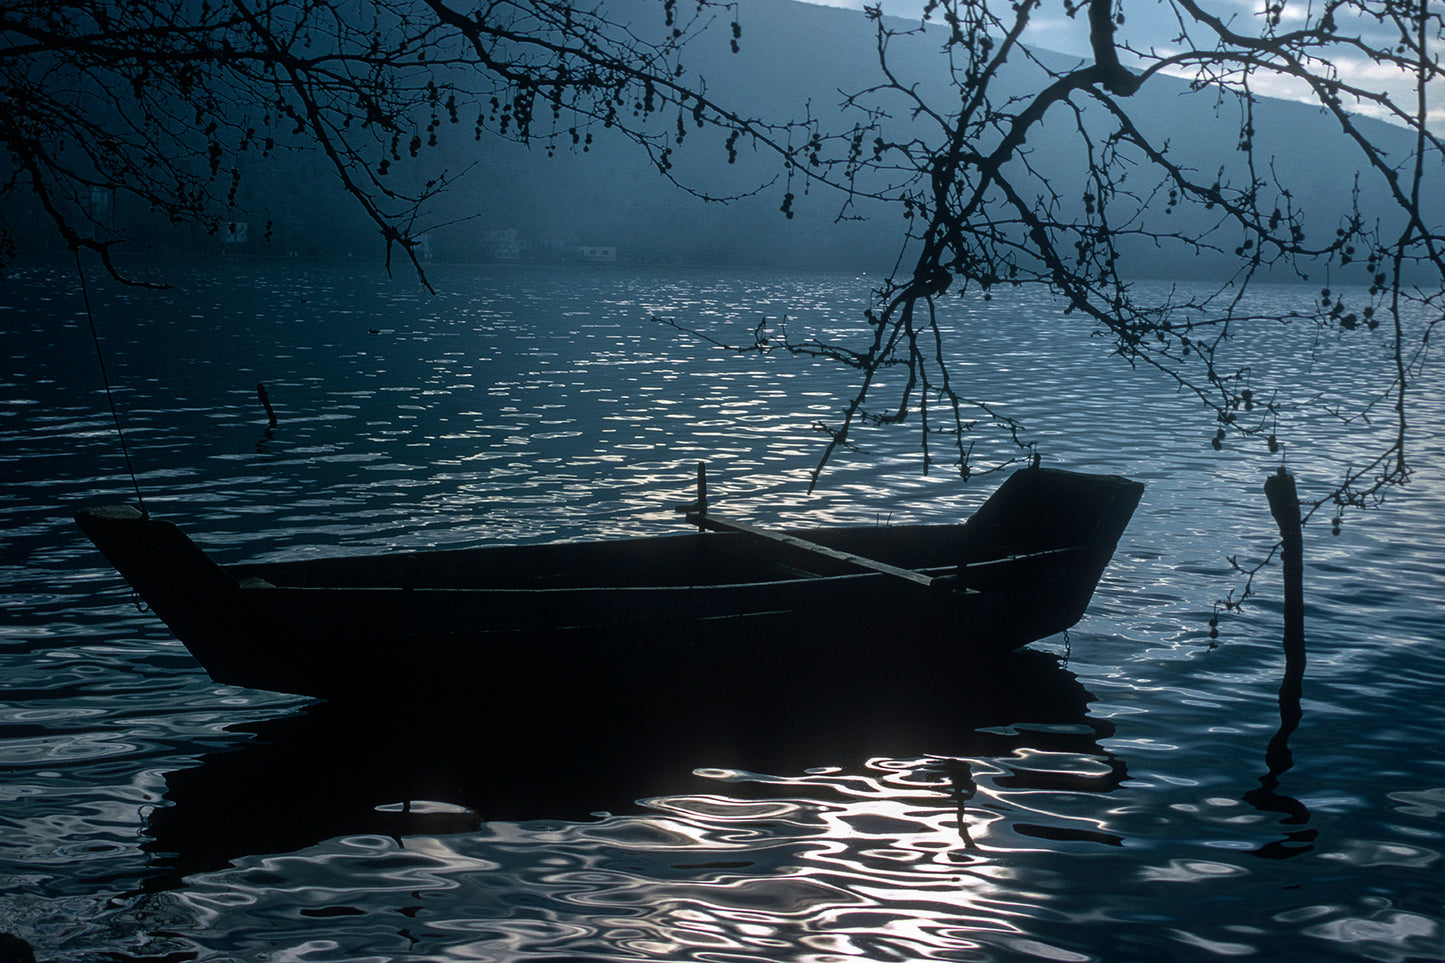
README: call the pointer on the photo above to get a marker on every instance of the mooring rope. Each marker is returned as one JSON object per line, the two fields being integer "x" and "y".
{"x": 105, "y": 379}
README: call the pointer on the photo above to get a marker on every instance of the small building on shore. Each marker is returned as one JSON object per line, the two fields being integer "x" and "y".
{"x": 597, "y": 254}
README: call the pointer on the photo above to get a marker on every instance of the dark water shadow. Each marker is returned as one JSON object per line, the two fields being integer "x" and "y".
{"x": 339, "y": 769}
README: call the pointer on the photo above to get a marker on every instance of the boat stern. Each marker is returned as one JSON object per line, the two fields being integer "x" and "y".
{"x": 170, "y": 573}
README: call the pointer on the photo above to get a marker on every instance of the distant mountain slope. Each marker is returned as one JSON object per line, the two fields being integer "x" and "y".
{"x": 799, "y": 57}
{"x": 796, "y": 59}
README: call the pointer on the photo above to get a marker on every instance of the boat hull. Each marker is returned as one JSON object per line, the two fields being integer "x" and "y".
{"x": 690, "y": 610}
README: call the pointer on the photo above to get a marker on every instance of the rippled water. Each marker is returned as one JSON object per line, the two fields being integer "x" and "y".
{"x": 1105, "y": 796}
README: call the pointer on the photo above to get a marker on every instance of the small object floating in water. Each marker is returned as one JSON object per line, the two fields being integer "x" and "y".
{"x": 685, "y": 610}
{"x": 426, "y": 818}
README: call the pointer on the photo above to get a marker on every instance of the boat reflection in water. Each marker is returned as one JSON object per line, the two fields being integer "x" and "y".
{"x": 413, "y": 768}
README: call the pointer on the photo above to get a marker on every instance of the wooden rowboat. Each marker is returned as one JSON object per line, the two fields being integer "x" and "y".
{"x": 682, "y": 611}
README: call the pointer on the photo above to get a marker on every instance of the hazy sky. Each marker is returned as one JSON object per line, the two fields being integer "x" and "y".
{"x": 1149, "y": 23}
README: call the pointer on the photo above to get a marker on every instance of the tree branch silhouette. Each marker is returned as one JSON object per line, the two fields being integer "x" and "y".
{"x": 168, "y": 102}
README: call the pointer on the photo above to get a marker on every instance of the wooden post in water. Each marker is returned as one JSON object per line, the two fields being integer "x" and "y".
{"x": 266, "y": 403}
{"x": 1279, "y": 488}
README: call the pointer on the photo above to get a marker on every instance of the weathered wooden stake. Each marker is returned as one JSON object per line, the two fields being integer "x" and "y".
{"x": 1284, "y": 506}
{"x": 266, "y": 403}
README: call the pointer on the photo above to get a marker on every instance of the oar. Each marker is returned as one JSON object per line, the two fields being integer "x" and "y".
{"x": 697, "y": 513}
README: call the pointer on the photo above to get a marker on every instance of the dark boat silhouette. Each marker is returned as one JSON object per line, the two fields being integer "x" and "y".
{"x": 686, "y": 609}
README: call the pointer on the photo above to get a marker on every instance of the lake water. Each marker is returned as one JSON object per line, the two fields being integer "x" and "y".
{"x": 1106, "y": 796}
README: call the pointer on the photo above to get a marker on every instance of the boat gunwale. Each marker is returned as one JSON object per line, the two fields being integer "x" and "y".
{"x": 253, "y": 576}
{"x": 593, "y": 563}
{"x": 602, "y": 544}
{"x": 252, "y": 583}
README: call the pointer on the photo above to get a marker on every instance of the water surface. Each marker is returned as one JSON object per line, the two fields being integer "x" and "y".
{"x": 1106, "y": 796}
